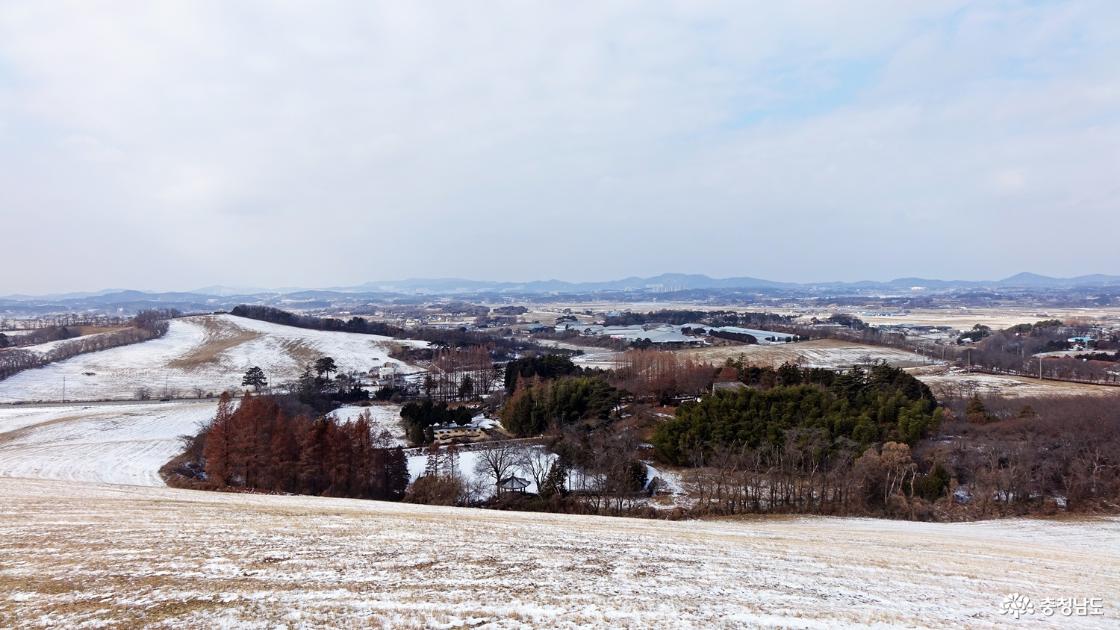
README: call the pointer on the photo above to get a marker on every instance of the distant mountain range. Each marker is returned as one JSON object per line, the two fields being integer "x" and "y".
{"x": 681, "y": 282}
{"x": 220, "y": 297}
{"x": 663, "y": 282}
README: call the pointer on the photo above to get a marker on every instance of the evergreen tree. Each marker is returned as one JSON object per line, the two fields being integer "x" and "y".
{"x": 466, "y": 386}
{"x": 325, "y": 366}
{"x": 255, "y": 378}
{"x": 975, "y": 411}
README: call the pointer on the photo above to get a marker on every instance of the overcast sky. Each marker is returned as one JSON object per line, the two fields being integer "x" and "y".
{"x": 165, "y": 145}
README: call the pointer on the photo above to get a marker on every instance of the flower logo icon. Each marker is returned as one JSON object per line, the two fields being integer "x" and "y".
{"x": 1017, "y": 605}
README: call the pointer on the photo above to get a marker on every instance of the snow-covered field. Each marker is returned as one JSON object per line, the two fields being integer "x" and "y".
{"x": 592, "y": 357}
{"x": 209, "y": 353}
{"x": 75, "y": 553}
{"x": 124, "y": 444}
{"x": 824, "y": 353}
{"x": 382, "y": 417}
{"x": 957, "y": 383}
{"x": 81, "y": 554}
{"x": 46, "y": 347}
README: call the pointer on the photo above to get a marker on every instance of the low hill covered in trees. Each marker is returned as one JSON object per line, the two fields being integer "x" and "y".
{"x": 864, "y": 406}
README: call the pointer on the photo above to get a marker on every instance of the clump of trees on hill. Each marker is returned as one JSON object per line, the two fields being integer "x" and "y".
{"x": 316, "y": 389}
{"x": 543, "y": 366}
{"x": 540, "y": 404}
{"x": 260, "y": 446}
{"x": 464, "y": 373}
{"x": 862, "y": 406}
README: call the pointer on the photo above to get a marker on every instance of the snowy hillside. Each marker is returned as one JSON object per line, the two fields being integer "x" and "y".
{"x": 125, "y": 444}
{"x": 94, "y": 555}
{"x": 207, "y": 353}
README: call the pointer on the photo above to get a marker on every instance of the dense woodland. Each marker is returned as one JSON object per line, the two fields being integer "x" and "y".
{"x": 261, "y": 446}
{"x": 857, "y": 407}
{"x": 539, "y": 405}
{"x": 1030, "y": 455}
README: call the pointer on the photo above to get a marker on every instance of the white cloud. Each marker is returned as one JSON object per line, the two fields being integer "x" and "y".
{"x": 284, "y": 144}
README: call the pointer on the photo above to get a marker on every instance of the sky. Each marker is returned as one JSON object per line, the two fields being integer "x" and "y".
{"x": 175, "y": 145}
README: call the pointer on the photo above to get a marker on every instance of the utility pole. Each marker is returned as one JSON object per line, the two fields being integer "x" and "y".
{"x": 63, "y": 388}
{"x": 1040, "y": 367}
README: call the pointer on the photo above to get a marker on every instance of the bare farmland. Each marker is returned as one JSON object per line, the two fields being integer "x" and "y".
{"x": 81, "y": 554}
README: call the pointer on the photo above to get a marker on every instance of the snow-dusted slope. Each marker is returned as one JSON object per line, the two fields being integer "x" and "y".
{"x": 76, "y": 554}
{"x": 125, "y": 444}
{"x": 207, "y": 353}
{"x": 382, "y": 418}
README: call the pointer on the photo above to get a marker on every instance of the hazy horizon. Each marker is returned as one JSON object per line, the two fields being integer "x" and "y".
{"x": 234, "y": 286}
{"x": 174, "y": 146}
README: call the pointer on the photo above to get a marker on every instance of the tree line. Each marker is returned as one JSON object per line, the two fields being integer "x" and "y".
{"x": 500, "y": 347}
{"x": 145, "y": 326}
{"x": 711, "y": 318}
{"x": 39, "y": 335}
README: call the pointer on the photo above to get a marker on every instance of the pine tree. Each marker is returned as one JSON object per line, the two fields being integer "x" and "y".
{"x": 255, "y": 378}
{"x": 466, "y": 386}
{"x": 975, "y": 411}
{"x": 325, "y": 365}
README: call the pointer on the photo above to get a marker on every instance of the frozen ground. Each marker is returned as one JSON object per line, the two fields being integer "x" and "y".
{"x": 208, "y": 353}
{"x": 44, "y": 348}
{"x": 825, "y": 353}
{"x": 949, "y": 383}
{"x": 592, "y": 357}
{"x": 76, "y": 554}
{"x": 81, "y": 554}
{"x": 124, "y": 444}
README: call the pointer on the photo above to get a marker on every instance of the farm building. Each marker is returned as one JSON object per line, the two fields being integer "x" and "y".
{"x": 457, "y": 432}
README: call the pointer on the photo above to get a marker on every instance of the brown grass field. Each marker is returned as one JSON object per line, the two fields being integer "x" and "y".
{"x": 221, "y": 335}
